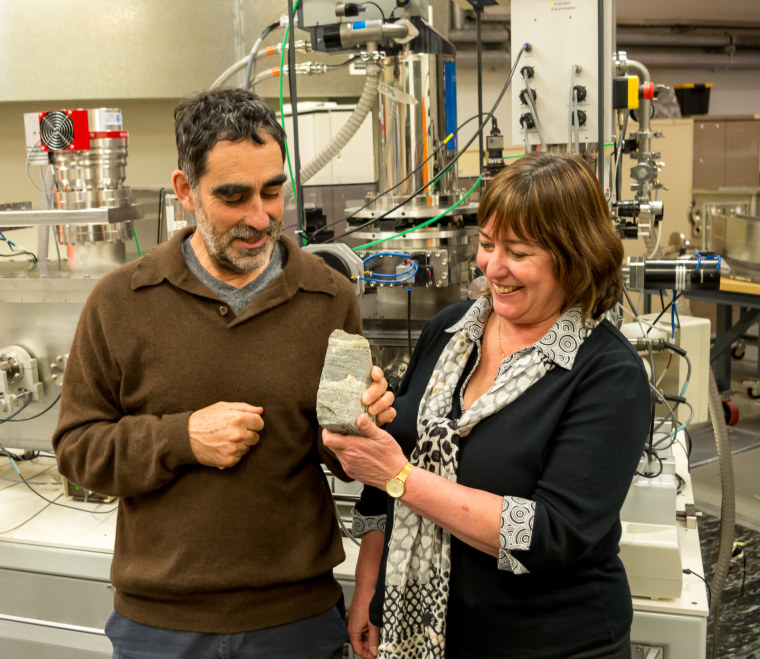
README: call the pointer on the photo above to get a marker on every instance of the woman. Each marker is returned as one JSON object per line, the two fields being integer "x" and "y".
{"x": 523, "y": 415}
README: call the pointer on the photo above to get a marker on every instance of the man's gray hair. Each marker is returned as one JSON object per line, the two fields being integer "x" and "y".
{"x": 219, "y": 115}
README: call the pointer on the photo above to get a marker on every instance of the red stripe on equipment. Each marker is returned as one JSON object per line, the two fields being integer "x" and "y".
{"x": 109, "y": 135}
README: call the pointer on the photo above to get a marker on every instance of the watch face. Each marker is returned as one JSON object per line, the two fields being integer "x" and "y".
{"x": 394, "y": 488}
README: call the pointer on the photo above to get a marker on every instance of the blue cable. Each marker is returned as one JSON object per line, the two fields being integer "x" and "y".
{"x": 393, "y": 278}
{"x": 412, "y": 270}
{"x": 711, "y": 257}
{"x": 674, "y": 319}
{"x": 11, "y": 244}
{"x": 374, "y": 256}
{"x": 411, "y": 273}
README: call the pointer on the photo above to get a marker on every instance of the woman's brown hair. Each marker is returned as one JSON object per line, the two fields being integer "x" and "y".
{"x": 555, "y": 201}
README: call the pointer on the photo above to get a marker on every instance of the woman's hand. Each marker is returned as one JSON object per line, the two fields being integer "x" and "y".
{"x": 372, "y": 458}
{"x": 365, "y": 637}
{"x": 379, "y": 399}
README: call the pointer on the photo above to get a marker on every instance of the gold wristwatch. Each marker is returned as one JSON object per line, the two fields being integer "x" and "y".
{"x": 396, "y": 487}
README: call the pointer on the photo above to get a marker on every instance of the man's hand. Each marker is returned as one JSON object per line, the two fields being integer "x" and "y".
{"x": 378, "y": 399}
{"x": 222, "y": 433}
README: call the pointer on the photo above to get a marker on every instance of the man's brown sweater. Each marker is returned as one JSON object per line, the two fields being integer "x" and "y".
{"x": 198, "y": 548}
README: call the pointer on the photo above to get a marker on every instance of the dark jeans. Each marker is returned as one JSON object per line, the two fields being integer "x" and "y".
{"x": 320, "y": 637}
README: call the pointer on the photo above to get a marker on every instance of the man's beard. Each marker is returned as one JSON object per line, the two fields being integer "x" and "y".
{"x": 230, "y": 256}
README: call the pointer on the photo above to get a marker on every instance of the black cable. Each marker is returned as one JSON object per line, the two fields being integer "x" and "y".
{"x": 7, "y": 454}
{"x": 251, "y": 56}
{"x": 161, "y": 198}
{"x": 618, "y": 182}
{"x": 379, "y": 8}
{"x": 10, "y": 419}
{"x": 14, "y": 481}
{"x": 346, "y": 63}
{"x": 63, "y": 505}
{"x": 601, "y": 55}
{"x": 409, "y": 319}
{"x": 18, "y": 411}
{"x": 19, "y": 253}
{"x": 391, "y": 189}
{"x": 681, "y": 483}
{"x": 652, "y": 455}
{"x": 653, "y": 403}
{"x": 479, "y": 51}
{"x": 29, "y": 519}
{"x": 688, "y": 571}
{"x": 459, "y": 154}
{"x": 654, "y": 322}
{"x": 53, "y": 501}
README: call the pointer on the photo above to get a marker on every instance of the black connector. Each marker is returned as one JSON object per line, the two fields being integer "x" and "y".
{"x": 675, "y": 348}
{"x": 526, "y": 121}
{"x": 581, "y": 118}
{"x": 580, "y": 93}
{"x": 524, "y": 98}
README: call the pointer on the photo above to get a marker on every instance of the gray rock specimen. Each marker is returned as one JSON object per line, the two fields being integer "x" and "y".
{"x": 346, "y": 375}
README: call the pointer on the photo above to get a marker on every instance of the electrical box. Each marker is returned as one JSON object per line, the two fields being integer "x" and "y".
{"x": 693, "y": 336}
{"x": 564, "y": 38}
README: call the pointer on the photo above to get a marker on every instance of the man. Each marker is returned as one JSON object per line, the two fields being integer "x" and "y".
{"x": 190, "y": 394}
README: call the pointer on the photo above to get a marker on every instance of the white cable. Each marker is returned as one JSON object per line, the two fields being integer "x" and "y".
{"x": 570, "y": 111}
{"x": 229, "y": 73}
{"x": 577, "y": 122}
{"x": 251, "y": 59}
{"x": 572, "y": 107}
{"x": 269, "y": 73}
{"x": 657, "y": 242}
{"x": 533, "y": 111}
{"x": 635, "y": 316}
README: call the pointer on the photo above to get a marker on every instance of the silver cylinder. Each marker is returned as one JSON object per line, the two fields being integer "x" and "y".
{"x": 412, "y": 120}
{"x": 94, "y": 178}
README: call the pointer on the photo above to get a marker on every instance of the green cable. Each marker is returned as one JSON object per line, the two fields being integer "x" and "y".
{"x": 282, "y": 105}
{"x": 424, "y": 224}
{"x": 137, "y": 243}
{"x": 438, "y": 217}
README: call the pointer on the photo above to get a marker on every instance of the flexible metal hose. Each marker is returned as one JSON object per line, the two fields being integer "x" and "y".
{"x": 363, "y": 108}
{"x": 727, "y": 505}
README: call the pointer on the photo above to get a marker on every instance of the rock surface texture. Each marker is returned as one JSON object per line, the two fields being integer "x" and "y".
{"x": 346, "y": 375}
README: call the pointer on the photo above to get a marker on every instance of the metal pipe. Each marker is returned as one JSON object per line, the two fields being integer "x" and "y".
{"x": 300, "y": 219}
{"x": 684, "y": 59}
{"x": 489, "y": 58}
{"x": 456, "y": 18}
{"x": 601, "y": 56}
{"x": 488, "y": 34}
{"x": 634, "y": 37}
{"x": 644, "y": 112}
{"x": 478, "y": 14}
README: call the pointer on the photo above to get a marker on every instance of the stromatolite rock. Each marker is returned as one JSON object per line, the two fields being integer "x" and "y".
{"x": 345, "y": 377}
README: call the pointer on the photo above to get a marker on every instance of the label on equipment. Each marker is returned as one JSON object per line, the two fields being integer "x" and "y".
{"x": 396, "y": 94}
{"x": 112, "y": 118}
